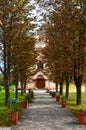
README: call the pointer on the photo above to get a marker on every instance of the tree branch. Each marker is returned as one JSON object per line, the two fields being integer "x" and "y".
{"x": 1, "y": 70}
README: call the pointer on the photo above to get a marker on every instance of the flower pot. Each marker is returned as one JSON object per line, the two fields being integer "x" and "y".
{"x": 64, "y": 103}
{"x": 57, "y": 98}
{"x": 24, "y": 104}
{"x": 14, "y": 117}
{"x": 53, "y": 96}
{"x": 82, "y": 117}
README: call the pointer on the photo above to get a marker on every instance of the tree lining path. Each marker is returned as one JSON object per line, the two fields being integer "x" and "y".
{"x": 46, "y": 114}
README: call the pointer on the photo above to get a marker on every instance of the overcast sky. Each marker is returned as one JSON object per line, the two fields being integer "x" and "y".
{"x": 38, "y": 12}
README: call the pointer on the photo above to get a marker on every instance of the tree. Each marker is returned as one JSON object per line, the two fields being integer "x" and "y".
{"x": 16, "y": 21}
{"x": 66, "y": 36}
{"x": 23, "y": 49}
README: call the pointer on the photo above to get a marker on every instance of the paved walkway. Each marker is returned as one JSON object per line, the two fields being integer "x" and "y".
{"x": 46, "y": 114}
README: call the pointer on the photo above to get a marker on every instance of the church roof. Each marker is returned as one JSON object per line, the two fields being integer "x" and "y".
{"x": 39, "y": 75}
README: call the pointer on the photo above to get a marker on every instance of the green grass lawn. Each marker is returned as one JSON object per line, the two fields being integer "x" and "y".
{"x": 2, "y": 98}
{"x": 72, "y": 88}
{"x": 12, "y": 95}
{"x": 71, "y": 103}
{"x": 4, "y": 119}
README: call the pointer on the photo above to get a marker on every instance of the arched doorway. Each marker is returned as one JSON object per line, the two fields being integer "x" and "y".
{"x": 40, "y": 82}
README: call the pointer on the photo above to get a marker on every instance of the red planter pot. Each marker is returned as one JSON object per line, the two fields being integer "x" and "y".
{"x": 64, "y": 104}
{"x": 24, "y": 104}
{"x": 57, "y": 98}
{"x": 53, "y": 96}
{"x": 82, "y": 118}
{"x": 13, "y": 116}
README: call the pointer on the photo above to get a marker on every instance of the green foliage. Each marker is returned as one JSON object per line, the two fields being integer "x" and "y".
{"x": 82, "y": 109}
{"x": 16, "y": 107}
{"x": 63, "y": 98}
{"x": 0, "y": 89}
{"x": 53, "y": 93}
{"x": 17, "y": 40}
{"x": 28, "y": 97}
{"x": 2, "y": 98}
{"x": 12, "y": 88}
{"x": 12, "y": 95}
{"x": 1, "y": 80}
{"x": 4, "y": 118}
{"x": 57, "y": 94}
{"x": 66, "y": 60}
{"x": 32, "y": 94}
{"x": 71, "y": 103}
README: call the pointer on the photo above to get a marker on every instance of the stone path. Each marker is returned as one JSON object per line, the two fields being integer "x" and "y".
{"x": 46, "y": 114}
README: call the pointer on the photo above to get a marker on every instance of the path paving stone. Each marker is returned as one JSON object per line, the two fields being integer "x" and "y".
{"x": 46, "y": 114}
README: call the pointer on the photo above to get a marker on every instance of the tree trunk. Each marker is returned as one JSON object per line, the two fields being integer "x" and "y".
{"x": 6, "y": 75}
{"x": 78, "y": 95}
{"x": 16, "y": 93}
{"x": 6, "y": 85}
{"x": 68, "y": 78}
{"x": 56, "y": 87}
{"x": 78, "y": 82}
{"x": 7, "y": 94}
{"x": 24, "y": 87}
{"x": 67, "y": 90}
{"x": 61, "y": 88}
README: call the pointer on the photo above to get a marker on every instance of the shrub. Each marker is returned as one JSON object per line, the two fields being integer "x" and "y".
{"x": 4, "y": 118}
{"x": 32, "y": 94}
{"x": 63, "y": 98}
{"x": 51, "y": 92}
{"x": 57, "y": 94}
{"x": 16, "y": 107}
{"x": 28, "y": 97}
